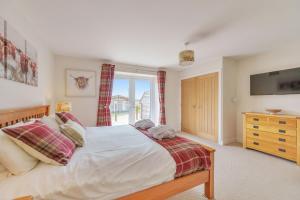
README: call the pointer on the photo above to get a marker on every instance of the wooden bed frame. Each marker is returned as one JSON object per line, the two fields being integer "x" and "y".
{"x": 162, "y": 191}
{"x": 12, "y": 116}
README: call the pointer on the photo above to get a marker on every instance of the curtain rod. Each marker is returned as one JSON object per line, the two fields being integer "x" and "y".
{"x": 136, "y": 70}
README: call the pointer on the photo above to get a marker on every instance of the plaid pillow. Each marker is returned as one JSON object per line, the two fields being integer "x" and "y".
{"x": 42, "y": 142}
{"x": 74, "y": 132}
{"x": 65, "y": 116}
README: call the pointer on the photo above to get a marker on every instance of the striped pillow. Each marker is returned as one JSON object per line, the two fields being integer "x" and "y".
{"x": 74, "y": 132}
{"x": 63, "y": 117}
{"x": 13, "y": 157}
{"x": 42, "y": 142}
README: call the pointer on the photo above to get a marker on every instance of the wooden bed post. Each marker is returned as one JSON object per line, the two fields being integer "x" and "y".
{"x": 209, "y": 186}
{"x": 47, "y": 110}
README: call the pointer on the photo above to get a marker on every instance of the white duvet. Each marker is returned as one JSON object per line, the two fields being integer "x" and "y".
{"x": 116, "y": 161}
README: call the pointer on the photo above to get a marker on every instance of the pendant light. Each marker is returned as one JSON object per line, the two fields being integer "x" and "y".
{"x": 186, "y": 57}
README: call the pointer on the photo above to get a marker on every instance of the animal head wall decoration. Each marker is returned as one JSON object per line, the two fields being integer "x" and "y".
{"x": 81, "y": 82}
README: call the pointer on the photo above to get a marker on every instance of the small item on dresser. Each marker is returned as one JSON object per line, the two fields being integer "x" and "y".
{"x": 74, "y": 132}
{"x": 273, "y": 111}
{"x": 63, "y": 117}
{"x": 162, "y": 131}
{"x": 144, "y": 124}
{"x": 42, "y": 142}
{"x": 13, "y": 157}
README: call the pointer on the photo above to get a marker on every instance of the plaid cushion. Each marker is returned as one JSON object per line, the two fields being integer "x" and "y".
{"x": 42, "y": 142}
{"x": 74, "y": 132}
{"x": 188, "y": 155}
{"x": 65, "y": 116}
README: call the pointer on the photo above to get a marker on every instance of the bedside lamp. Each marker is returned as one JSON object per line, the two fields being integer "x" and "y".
{"x": 63, "y": 106}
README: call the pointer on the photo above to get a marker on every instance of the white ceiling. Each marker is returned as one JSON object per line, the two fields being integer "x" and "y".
{"x": 152, "y": 32}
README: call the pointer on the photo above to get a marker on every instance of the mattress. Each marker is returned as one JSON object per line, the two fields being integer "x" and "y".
{"x": 116, "y": 161}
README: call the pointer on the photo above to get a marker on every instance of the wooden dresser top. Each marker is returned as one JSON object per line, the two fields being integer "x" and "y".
{"x": 272, "y": 115}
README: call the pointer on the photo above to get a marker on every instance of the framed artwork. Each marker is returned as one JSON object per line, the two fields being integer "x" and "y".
{"x": 80, "y": 83}
{"x": 18, "y": 59}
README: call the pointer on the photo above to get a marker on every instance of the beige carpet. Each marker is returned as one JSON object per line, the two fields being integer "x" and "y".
{"x": 242, "y": 174}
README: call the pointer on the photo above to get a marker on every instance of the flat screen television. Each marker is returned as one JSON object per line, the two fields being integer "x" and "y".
{"x": 276, "y": 82}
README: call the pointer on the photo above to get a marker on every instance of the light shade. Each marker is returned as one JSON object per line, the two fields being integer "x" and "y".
{"x": 63, "y": 106}
{"x": 186, "y": 57}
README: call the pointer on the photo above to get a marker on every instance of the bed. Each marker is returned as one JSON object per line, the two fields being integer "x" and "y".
{"x": 128, "y": 158}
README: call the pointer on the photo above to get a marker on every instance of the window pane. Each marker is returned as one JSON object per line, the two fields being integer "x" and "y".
{"x": 142, "y": 99}
{"x": 119, "y": 106}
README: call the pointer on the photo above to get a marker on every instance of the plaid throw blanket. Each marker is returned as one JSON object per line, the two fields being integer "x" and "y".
{"x": 188, "y": 155}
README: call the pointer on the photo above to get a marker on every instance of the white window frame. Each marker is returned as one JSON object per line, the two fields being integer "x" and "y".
{"x": 131, "y": 77}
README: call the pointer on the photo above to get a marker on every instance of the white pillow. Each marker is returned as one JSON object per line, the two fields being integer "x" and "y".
{"x": 2, "y": 168}
{"x": 162, "y": 131}
{"x": 51, "y": 122}
{"x": 144, "y": 124}
{"x": 3, "y": 172}
{"x": 14, "y": 158}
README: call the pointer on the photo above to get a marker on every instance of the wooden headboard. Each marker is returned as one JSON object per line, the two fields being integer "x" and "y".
{"x": 11, "y": 116}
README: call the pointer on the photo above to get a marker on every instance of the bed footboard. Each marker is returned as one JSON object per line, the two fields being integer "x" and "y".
{"x": 179, "y": 185}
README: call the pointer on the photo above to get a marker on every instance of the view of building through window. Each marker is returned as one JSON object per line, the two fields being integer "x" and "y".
{"x": 126, "y": 108}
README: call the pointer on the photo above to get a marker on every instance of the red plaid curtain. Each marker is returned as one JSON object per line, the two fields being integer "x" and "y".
{"x": 105, "y": 91}
{"x": 161, "y": 78}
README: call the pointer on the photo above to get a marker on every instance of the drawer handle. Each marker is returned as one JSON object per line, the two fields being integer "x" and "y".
{"x": 282, "y": 140}
{"x": 282, "y": 122}
{"x": 256, "y": 127}
{"x": 281, "y": 131}
{"x": 281, "y": 150}
{"x": 255, "y": 143}
{"x": 255, "y": 119}
{"x": 255, "y": 134}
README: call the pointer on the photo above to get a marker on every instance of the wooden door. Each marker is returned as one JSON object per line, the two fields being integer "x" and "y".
{"x": 200, "y": 106}
{"x": 207, "y": 106}
{"x": 188, "y": 105}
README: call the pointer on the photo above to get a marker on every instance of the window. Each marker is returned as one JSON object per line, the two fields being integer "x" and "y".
{"x": 133, "y": 98}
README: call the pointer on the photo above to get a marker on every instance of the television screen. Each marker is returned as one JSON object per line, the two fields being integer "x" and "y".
{"x": 276, "y": 83}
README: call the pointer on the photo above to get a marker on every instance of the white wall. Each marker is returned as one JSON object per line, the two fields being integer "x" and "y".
{"x": 204, "y": 68}
{"x": 285, "y": 58}
{"x": 14, "y": 94}
{"x": 86, "y": 107}
{"x": 173, "y": 99}
{"x": 83, "y": 107}
{"x": 229, "y": 100}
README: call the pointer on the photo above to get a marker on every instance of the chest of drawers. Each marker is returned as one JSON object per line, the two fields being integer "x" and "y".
{"x": 278, "y": 135}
